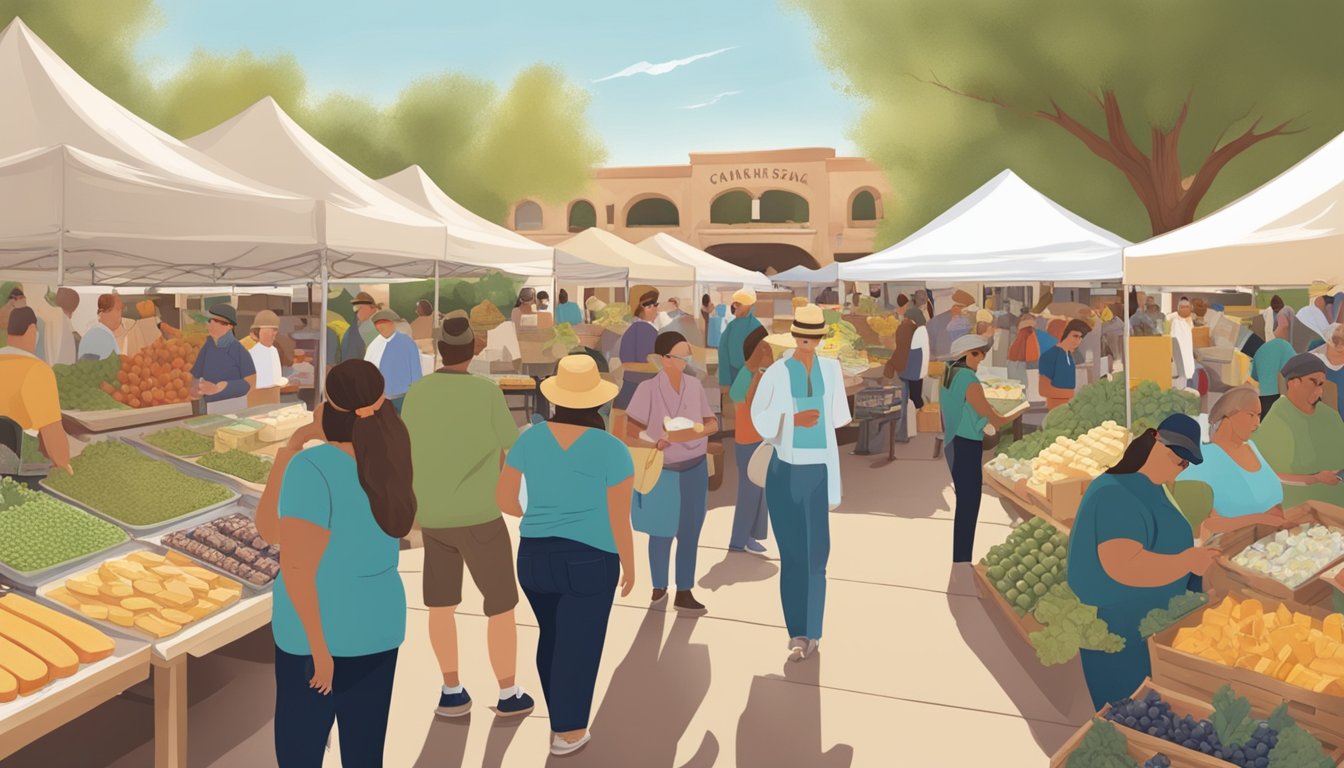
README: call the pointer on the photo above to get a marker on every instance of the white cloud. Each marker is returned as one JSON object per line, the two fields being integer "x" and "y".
{"x": 645, "y": 68}
{"x": 713, "y": 101}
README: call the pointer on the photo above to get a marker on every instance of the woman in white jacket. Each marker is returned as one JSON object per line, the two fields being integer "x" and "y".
{"x": 799, "y": 404}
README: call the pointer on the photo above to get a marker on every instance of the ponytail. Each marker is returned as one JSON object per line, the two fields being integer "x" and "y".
{"x": 1136, "y": 455}
{"x": 382, "y": 443}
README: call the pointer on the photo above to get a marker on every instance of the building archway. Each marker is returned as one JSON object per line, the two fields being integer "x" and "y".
{"x": 764, "y": 256}
{"x": 865, "y": 206}
{"x": 653, "y": 211}
{"x": 582, "y": 215}
{"x": 731, "y": 207}
{"x": 527, "y": 216}
{"x": 780, "y": 207}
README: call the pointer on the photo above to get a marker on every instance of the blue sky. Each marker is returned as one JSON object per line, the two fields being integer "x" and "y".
{"x": 778, "y": 94}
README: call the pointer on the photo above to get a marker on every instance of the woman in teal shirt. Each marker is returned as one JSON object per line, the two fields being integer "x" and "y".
{"x": 574, "y": 539}
{"x": 566, "y": 311}
{"x": 337, "y": 511}
{"x": 1131, "y": 551}
{"x": 966, "y": 413}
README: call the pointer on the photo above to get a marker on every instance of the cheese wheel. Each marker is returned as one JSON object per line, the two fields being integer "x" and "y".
{"x": 51, "y": 649}
{"x": 9, "y": 687}
{"x": 88, "y": 643}
{"x": 28, "y": 670}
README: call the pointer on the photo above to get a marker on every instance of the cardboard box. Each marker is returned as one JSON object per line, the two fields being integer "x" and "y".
{"x": 1151, "y": 361}
{"x": 929, "y": 419}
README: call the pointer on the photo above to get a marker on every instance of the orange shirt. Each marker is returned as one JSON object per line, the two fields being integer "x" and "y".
{"x": 746, "y": 431}
{"x": 27, "y": 390}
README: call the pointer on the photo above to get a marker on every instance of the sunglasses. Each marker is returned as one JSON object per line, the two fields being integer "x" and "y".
{"x": 648, "y": 304}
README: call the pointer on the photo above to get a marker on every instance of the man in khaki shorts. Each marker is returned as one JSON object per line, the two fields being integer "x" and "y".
{"x": 460, "y": 429}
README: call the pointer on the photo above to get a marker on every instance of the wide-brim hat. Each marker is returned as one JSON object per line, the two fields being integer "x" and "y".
{"x": 385, "y": 315}
{"x": 225, "y": 312}
{"x": 266, "y": 319}
{"x": 962, "y": 298}
{"x": 782, "y": 340}
{"x": 363, "y": 298}
{"x": 745, "y": 296}
{"x": 964, "y": 345}
{"x": 809, "y": 322}
{"x": 637, "y": 294}
{"x": 578, "y": 384}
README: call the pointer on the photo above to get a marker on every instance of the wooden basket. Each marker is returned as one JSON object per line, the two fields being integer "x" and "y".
{"x": 1313, "y": 591}
{"x": 1024, "y": 625}
{"x": 1137, "y": 752}
{"x": 1199, "y": 678}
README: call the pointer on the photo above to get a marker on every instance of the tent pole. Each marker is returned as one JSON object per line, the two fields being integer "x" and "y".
{"x": 1129, "y": 361}
{"x": 435, "y": 315}
{"x": 322, "y": 332}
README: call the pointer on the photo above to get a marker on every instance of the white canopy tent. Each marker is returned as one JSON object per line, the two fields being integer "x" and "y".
{"x": 709, "y": 269}
{"x": 364, "y": 228}
{"x": 94, "y": 194}
{"x": 595, "y": 246}
{"x": 827, "y": 275}
{"x": 1004, "y": 232}
{"x": 1288, "y": 232}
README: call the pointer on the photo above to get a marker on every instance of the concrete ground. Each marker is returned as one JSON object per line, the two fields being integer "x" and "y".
{"x": 913, "y": 669}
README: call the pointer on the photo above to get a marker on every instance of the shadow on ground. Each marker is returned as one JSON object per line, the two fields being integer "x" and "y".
{"x": 1013, "y": 663}
{"x": 738, "y": 568}
{"x": 782, "y": 722}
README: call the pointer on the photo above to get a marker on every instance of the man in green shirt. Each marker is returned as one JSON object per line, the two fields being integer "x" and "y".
{"x": 460, "y": 430}
{"x": 1303, "y": 441}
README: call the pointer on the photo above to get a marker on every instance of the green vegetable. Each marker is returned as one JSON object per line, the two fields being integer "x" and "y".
{"x": 1017, "y": 567}
{"x": 80, "y": 385}
{"x": 1101, "y": 747}
{"x": 1098, "y": 402}
{"x": 253, "y": 469}
{"x": 1231, "y": 717}
{"x": 38, "y": 531}
{"x": 123, "y": 483}
{"x": 1298, "y": 749}
{"x": 1069, "y": 626}
{"x": 563, "y": 337}
{"x": 1177, "y": 608}
{"x": 180, "y": 442}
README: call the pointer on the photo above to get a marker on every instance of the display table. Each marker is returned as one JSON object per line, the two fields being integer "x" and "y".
{"x": 29, "y": 718}
{"x": 528, "y": 392}
{"x": 1024, "y": 505}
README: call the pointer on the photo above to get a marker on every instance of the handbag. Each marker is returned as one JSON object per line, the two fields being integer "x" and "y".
{"x": 657, "y": 511}
{"x": 759, "y": 464}
{"x": 648, "y": 467}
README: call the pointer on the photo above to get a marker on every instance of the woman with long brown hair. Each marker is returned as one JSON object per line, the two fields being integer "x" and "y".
{"x": 337, "y": 511}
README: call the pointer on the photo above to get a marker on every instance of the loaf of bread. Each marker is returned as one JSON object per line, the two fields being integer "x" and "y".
{"x": 28, "y": 670}
{"x": 60, "y": 658}
{"x": 88, "y": 643}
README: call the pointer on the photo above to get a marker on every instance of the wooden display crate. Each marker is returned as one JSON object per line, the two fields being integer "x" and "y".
{"x": 929, "y": 419}
{"x": 1024, "y": 625}
{"x": 1137, "y": 752}
{"x": 1313, "y": 591}
{"x": 1199, "y": 678}
{"x": 1026, "y": 503}
{"x": 1062, "y": 498}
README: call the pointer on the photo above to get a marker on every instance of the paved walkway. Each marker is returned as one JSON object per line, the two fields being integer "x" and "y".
{"x": 912, "y": 670}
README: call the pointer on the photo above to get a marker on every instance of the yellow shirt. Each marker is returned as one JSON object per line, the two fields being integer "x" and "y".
{"x": 27, "y": 389}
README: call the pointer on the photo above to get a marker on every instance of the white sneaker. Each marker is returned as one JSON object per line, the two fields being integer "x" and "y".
{"x": 560, "y": 747}
{"x": 797, "y": 648}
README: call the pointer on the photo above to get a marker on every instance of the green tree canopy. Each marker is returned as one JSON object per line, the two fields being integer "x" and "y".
{"x": 1136, "y": 114}
{"x": 484, "y": 147}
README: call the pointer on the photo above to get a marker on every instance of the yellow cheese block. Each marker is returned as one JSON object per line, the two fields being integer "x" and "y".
{"x": 9, "y": 687}
{"x": 209, "y": 577}
{"x": 1333, "y": 627}
{"x": 147, "y": 586}
{"x": 155, "y": 625}
{"x": 94, "y": 611}
{"x": 117, "y": 591}
{"x": 139, "y": 604}
{"x": 120, "y": 616}
{"x": 29, "y": 671}
{"x": 174, "y": 599}
{"x": 201, "y": 609}
{"x": 59, "y": 657}
{"x": 63, "y": 596}
{"x": 81, "y": 587}
{"x": 223, "y": 596}
{"x": 176, "y": 616}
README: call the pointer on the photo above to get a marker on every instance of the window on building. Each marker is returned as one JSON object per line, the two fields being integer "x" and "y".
{"x": 582, "y": 215}
{"x": 780, "y": 207}
{"x": 863, "y": 207}
{"x": 527, "y": 216}
{"x": 611, "y": 215}
{"x": 731, "y": 208}
{"x": 653, "y": 212}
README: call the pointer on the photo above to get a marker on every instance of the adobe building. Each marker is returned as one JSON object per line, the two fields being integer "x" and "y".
{"x": 775, "y": 209}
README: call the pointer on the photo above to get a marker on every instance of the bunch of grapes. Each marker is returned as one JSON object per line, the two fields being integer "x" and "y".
{"x": 1153, "y": 716}
{"x": 1158, "y": 761}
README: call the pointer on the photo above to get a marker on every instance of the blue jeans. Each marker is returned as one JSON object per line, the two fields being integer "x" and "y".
{"x": 571, "y": 587}
{"x": 799, "y": 510}
{"x": 750, "y": 520}
{"x": 694, "y": 487}
{"x": 968, "y": 473}
{"x": 360, "y": 698}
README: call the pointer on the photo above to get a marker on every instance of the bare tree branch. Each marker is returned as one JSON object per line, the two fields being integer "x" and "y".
{"x": 1223, "y": 155}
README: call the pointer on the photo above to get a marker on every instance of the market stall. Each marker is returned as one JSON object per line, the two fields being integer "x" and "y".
{"x": 709, "y": 269}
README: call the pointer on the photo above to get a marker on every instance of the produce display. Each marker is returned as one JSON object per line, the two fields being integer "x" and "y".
{"x": 1293, "y": 557}
{"x": 83, "y": 386}
{"x": 39, "y": 645}
{"x": 30, "y": 454}
{"x": 1010, "y": 469}
{"x": 1229, "y": 734}
{"x": 38, "y": 531}
{"x": 1088, "y": 456}
{"x": 1177, "y": 608}
{"x": 1293, "y": 647}
{"x": 179, "y": 441}
{"x": 247, "y": 466}
{"x": 1070, "y": 626}
{"x": 238, "y": 434}
{"x": 563, "y": 340}
{"x": 486, "y": 316}
{"x": 232, "y": 544}
{"x": 1098, "y": 403}
{"x": 122, "y": 483}
{"x": 883, "y": 325}
{"x": 148, "y": 592}
{"x": 157, "y": 375}
{"x": 1028, "y": 563}
{"x": 1104, "y": 747}
{"x": 614, "y": 317}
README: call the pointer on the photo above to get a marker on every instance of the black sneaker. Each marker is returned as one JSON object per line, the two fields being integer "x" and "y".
{"x": 515, "y": 706}
{"x": 454, "y": 704}
{"x": 686, "y": 603}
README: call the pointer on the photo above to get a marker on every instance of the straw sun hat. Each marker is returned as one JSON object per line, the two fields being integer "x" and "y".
{"x": 577, "y": 384}
{"x": 808, "y": 321}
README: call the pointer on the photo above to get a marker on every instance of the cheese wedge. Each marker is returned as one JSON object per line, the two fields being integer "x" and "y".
{"x": 174, "y": 599}
{"x": 60, "y": 659}
{"x": 28, "y": 670}
{"x": 201, "y": 609}
{"x": 222, "y": 596}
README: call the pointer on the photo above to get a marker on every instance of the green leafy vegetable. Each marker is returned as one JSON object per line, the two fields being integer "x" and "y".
{"x": 1231, "y": 717}
{"x": 1070, "y": 626}
{"x": 1101, "y": 747}
{"x": 1298, "y": 749}
{"x": 1280, "y": 720}
{"x": 1177, "y": 608}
